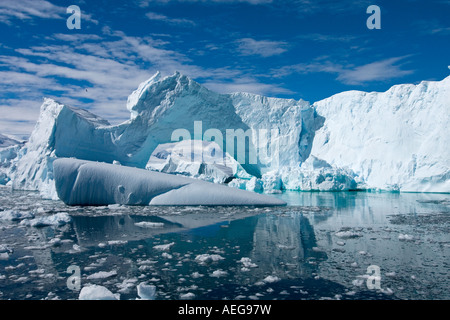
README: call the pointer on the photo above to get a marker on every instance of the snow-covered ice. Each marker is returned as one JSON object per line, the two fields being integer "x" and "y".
{"x": 394, "y": 140}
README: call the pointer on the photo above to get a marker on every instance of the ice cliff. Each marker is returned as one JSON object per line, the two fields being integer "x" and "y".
{"x": 393, "y": 140}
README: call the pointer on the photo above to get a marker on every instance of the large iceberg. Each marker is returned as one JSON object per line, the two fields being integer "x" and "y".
{"x": 393, "y": 140}
{"x": 81, "y": 182}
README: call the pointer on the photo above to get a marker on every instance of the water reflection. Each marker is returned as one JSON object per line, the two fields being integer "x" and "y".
{"x": 284, "y": 245}
{"x": 235, "y": 252}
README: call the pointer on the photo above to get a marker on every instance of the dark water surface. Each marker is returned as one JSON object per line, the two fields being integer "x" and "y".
{"x": 318, "y": 247}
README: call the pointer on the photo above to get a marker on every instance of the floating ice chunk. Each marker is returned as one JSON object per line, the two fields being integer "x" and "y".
{"x": 57, "y": 219}
{"x": 102, "y": 275}
{"x": 146, "y": 291}
{"x": 271, "y": 279}
{"x": 348, "y": 234}
{"x": 208, "y": 258}
{"x": 405, "y": 237}
{"x": 247, "y": 262}
{"x": 55, "y": 242}
{"x": 196, "y": 275}
{"x": 164, "y": 247}
{"x": 14, "y": 215}
{"x": 4, "y": 248}
{"x": 219, "y": 273}
{"x": 187, "y": 296}
{"x": 115, "y": 242}
{"x": 96, "y": 292}
{"x": 387, "y": 291}
{"x": 80, "y": 182}
{"x": 166, "y": 255}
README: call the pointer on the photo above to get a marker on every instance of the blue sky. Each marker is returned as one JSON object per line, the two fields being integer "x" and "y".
{"x": 301, "y": 49}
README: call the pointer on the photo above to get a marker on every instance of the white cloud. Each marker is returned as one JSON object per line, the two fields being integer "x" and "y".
{"x": 28, "y": 9}
{"x": 375, "y": 71}
{"x": 175, "y": 21}
{"x": 18, "y": 116}
{"x": 263, "y": 48}
{"x": 31, "y": 9}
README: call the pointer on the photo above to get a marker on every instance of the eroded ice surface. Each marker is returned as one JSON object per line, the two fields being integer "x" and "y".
{"x": 80, "y": 182}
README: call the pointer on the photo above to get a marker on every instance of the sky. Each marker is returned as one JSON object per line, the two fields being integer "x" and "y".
{"x": 300, "y": 49}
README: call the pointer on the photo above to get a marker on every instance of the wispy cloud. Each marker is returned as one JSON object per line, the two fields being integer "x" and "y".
{"x": 163, "y": 18}
{"x": 263, "y": 48}
{"x": 432, "y": 27}
{"x": 18, "y": 117}
{"x": 32, "y": 9}
{"x": 98, "y": 72}
{"x": 382, "y": 70}
{"x": 318, "y": 37}
{"x": 29, "y": 9}
{"x": 375, "y": 71}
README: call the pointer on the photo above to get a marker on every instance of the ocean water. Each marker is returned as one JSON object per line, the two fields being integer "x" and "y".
{"x": 323, "y": 245}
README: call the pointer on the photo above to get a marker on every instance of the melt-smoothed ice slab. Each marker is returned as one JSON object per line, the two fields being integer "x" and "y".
{"x": 81, "y": 182}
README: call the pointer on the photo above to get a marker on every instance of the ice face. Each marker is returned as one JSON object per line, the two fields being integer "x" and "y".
{"x": 394, "y": 140}
{"x": 81, "y": 182}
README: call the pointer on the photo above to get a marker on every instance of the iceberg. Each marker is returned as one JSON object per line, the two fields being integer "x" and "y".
{"x": 394, "y": 140}
{"x": 81, "y": 182}
{"x": 214, "y": 165}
